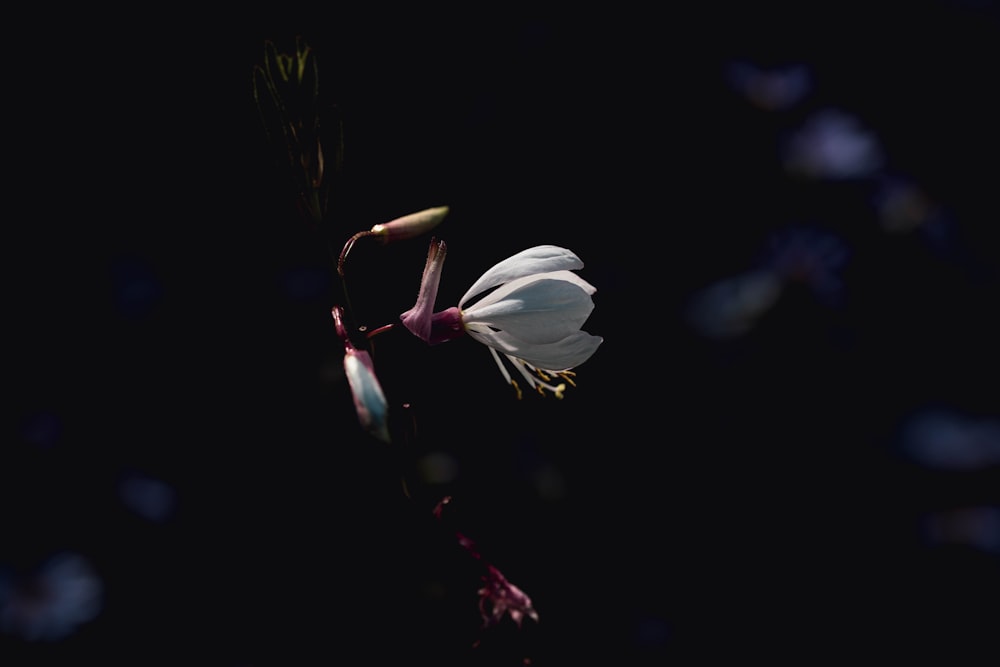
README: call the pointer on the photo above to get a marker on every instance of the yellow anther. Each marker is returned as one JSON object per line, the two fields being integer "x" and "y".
{"x": 513, "y": 383}
{"x": 567, "y": 375}
{"x": 559, "y": 391}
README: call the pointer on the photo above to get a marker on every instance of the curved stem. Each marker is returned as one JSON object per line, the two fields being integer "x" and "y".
{"x": 382, "y": 329}
{"x": 347, "y": 248}
{"x": 341, "y": 259}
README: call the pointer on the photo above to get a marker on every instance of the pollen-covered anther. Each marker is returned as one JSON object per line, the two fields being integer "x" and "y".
{"x": 544, "y": 383}
{"x": 557, "y": 390}
{"x": 536, "y": 378}
{"x": 568, "y": 377}
{"x": 517, "y": 389}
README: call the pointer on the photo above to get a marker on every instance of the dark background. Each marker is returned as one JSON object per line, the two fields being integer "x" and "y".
{"x": 691, "y": 500}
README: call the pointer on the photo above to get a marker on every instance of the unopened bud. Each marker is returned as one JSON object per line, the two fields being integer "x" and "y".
{"x": 369, "y": 399}
{"x": 410, "y": 226}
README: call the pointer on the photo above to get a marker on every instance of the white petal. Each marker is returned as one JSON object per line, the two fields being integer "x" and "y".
{"x": 540, "y": 259}
{"x": 536, "y": 309}
{"x": 565, "y": 354}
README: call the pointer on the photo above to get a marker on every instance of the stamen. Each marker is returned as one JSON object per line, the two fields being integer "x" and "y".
{"x": 568, "y": 376}
{"x": 536, "y": 378}
{"x": 526, "y": 369}
{"x": 522, "y": 368}
{"x": 503, "y": 371}
{"x": 517, "y": 389}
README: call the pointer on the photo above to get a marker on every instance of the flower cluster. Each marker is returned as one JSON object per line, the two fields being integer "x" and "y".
{"x": 528, "y": 310}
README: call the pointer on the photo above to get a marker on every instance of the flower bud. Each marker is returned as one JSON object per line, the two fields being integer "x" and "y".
{"x": 369, "y": 399}
{"x": 410, "y": 226}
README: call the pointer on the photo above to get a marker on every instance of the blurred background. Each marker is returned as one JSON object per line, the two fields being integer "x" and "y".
{"x": 787, "y": 448}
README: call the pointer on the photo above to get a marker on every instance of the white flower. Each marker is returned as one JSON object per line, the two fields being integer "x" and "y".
{"x": 532, "y": 317}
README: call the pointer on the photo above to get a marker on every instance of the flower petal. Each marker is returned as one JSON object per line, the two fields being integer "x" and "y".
{"x": 418, "y": 318}
{"x": 561, "y": 355}
{"x": 540, "y": 259}
{"x": 541, "y": 308}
